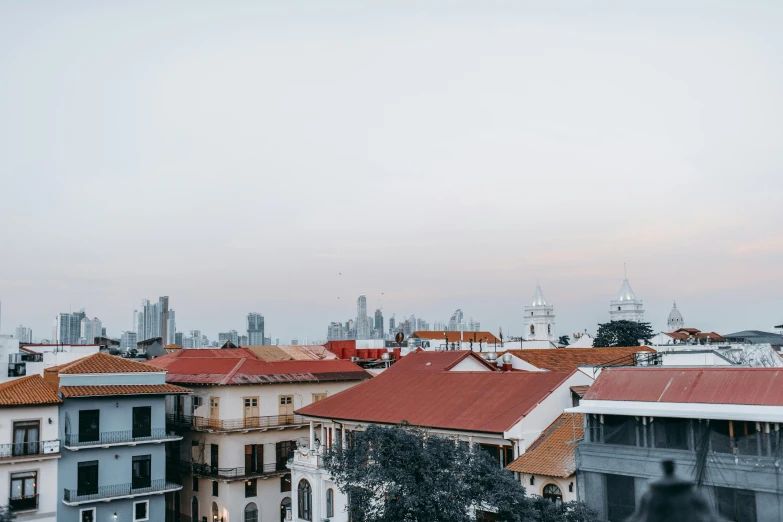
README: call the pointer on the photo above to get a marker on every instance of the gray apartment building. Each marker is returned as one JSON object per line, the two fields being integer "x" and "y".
{"x": 720, "y": 426}
{"x": 113, "y": 429}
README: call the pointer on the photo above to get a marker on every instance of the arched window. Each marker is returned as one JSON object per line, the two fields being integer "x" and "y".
{"x": 215, "y": 513}
{"x": 329, "y": 503}
{"x": 553, "y": 493}
{"x": 532, "y": 330}
{"x": 251, "y": 513}
{"x": 549, "y": 329}
{"x": 194, "y": 509}
{"x": 285, "y": 509}
{"x": 305, "y": 498}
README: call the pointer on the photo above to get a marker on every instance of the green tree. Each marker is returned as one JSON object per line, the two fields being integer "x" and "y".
{"x": 6, "y": 515}
{"x": 622, "y": 333}
{"x": 404, "y": 474}
{"x": 563, "y": 340}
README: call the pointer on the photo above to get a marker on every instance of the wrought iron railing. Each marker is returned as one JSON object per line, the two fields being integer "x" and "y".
{"x": 117, "y": 490}
{"x": 22, "y": 449}
{"x": 209, "y": 471}
{"x": 246, "y": 423}
{"x": 23, "y": 503}
{"x": 118, "y": 437}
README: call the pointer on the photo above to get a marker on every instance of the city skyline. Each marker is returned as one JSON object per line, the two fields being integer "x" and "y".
{"x": 510, "y": 143}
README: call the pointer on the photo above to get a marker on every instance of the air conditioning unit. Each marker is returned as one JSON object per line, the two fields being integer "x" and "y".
{"x": 355, "y": 359}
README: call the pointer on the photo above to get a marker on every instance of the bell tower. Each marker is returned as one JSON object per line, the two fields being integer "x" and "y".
{"x": 539, "y": 319}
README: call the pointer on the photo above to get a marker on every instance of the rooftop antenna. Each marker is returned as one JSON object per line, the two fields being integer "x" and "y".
{"x": 625, "y": 270}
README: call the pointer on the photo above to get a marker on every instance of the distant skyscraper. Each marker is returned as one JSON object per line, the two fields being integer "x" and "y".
{"x": 255, "y": 329}
{"x": 171, "y": 329}
{"x": 362, "y": 328}
{"x": 392, "y": 326}
{"x": 231, "y": 335}
{"x": 90, "y": 329}
{"x": 127, "y": 340}
{"x": 178, "y": 338}
{"x": 67, "y": 328}
{"x": 379, "y": 320}
{"x": 335, "y": 332}
{"x": 457, "y": 321}
{"x": 24, "y": 334}
{"x": 243, "y": 340}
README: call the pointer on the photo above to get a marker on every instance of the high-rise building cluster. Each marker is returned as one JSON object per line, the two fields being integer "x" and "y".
{"x": 155, "y": 320}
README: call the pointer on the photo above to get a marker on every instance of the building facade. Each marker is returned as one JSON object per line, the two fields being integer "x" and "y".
{"x": 89, "y": 330}
{"x": 362, "y": 325}
{"x": 153, "y": 319}
{"x": 626, "y": 307}
{"x": 113, "y": 428}
{"x": 67, "y": 328}
{"x": 24, "y": 334}
{"x": 255, "y": 329}
{"x": 539, "y": 318}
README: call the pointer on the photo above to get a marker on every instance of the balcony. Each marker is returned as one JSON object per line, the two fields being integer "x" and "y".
{"x": 30, "y": 450}
{"x": 29, "y": 503}
{"x": 270, "y": 422}
{"x": 270, "y": 469}
{"x": 71, "y": 497}
{"x": 310, "y": 459}
{"x": 118, "y": 438}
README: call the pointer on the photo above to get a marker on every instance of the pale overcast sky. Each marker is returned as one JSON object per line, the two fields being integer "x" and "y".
{"x": 237, "y": 156}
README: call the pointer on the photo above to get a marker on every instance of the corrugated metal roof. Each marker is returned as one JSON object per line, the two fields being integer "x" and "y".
{"x": 485, "y": 401}
{"x": 567, "y": 359}
{"x": 743, "y": 386}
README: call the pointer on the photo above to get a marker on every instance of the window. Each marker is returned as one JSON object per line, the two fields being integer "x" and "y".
{"x": 254, "y": 458}
{"x": 250, "y": 488}
{"x": 195, "y": 484}
{"x": 620, "y": 497}
{"x": 194, "y": 509}
{"x": 251, "y": 513}
{"x": 214, "y": 488}
{"x": 215, "y": 513}
{"x": 553, "y": 493}
{"x": 89, "y": 425}
{"x": 214, "y": 460}
{"x": 736, "y": 504}
{"x": 24, "y": 491}
{"x": 87, "y": 478}
{"x": 141, "y": 511}
{"x": 285, "y": 483}
{"x": 492, "y": 450}
{"x": 305, "y": 496}
{"x": 318, "y": 397}
{"x": 285, "y": 450}
{"x": 87, "y": 515}
{"x": 142, "y": 471}
{"x": 532, "y": 480}
{"x": 329, "y": 503}
{"x": 26, "y": 438}
{"x": 671, "y": 433}
{"x": 619, "y": 429}
{"x": 195, "y": 403}
{"x": 532, "y": 330}
{"x": 142, "y": 422}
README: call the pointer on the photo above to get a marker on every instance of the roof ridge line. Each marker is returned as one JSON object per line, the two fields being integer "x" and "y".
{"x": 234, "y": 370}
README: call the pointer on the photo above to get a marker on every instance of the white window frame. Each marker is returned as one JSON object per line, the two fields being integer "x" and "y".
{"x": 134, "y": 511}
{"x": 85, "y": 510}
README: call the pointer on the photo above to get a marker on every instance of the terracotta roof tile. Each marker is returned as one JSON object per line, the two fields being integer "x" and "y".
{"x": 122, "y": 389}
{"x": 567, "y": 359}
{"x": 103, "y": 363}
{"x": 27, "y": 390}
{"x": 553, "y": 453}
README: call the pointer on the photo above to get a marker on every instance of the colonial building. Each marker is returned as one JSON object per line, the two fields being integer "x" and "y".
{"x": 113, "y": 426}
{"x": 626, "y": 307}
{"x": 239, "y": 426}
{"x": 675, "y": 320}
{"x": 539, "y": 319}
{"x": 721, "y": 427}
{"x": 454, "y": 394}
{"x": 29, "y": 447}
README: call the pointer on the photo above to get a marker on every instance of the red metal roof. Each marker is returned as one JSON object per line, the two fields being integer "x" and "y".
{"x": 746, "y": 386}
{"x": 567, "y": 359}
{"x": 432, "y": 396}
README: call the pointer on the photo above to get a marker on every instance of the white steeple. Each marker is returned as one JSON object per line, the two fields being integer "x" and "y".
{"x": 626, "y": 307}
{"x": 539, "y": 319}
{"x": 675, "y": 321}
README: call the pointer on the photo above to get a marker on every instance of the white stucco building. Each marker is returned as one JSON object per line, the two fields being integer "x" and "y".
{"x": 626, "y": 307}
{"x": 539, "y": 318}
{"x": 675, "y": 320}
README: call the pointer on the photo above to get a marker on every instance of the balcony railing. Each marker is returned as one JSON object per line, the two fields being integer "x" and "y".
{"x": 239, "y": 473}
{"x": 29, "y": 449}
{"x": 246, "y": 423}
{"x": 23, "y": 503}
{"x": 118, "y": 490}
{"x": 119, "y": 437}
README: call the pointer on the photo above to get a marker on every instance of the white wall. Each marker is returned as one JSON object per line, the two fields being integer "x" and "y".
{"x": 540, "y": 481}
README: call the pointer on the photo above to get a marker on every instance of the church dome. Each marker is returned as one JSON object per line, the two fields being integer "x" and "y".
{"x": 675, "y": 314}
{"x": 626, "y": 294}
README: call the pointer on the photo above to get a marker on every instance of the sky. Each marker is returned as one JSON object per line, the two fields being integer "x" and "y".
{"x": 284, "y": 157}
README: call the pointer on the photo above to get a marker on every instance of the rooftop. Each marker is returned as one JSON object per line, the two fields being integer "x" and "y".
{"x": 102, "y": 363}
{"x": 711, "y": 385}
{"x": 29, "y": 390}
{"x": 432, "y": 395}
{"x": 568, "y": 359}
{"x": 453, "y": 337}
{"x": 553, "y": 453}
{"x": 122, "y": 389}
{"x": 755, "y": 337}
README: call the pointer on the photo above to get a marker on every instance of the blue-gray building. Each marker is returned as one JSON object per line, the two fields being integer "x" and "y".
{"x": 113, "y": 432}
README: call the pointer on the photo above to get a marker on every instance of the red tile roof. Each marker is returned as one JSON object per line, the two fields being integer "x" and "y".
{"x": 453, "y": 337}
{"x": 567, "y": 359}
{"x": 553, "y": 453}
{"x": 102, "y": 363}
{"x": 245, "y": 368}
{"x": 122, "y": 389}
{"x": 745, "y": 386}
{"x": 480, "y": 401}
{"x": 29, "y": 390}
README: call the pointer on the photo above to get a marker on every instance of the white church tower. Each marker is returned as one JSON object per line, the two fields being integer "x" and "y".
{"x": 675, "y": 321}
{"x": 539, "y": 319}
{"x": 626, "y": 307}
